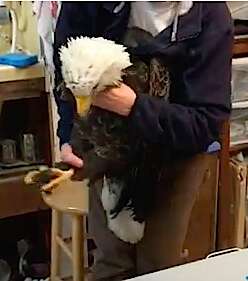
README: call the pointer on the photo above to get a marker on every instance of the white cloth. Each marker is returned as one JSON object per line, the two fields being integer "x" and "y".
{"x": 46, "y": 22}
{"x": 156, "y": 16}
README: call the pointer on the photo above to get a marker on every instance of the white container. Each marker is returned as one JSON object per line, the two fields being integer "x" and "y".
{"x": 240, "y": 80}
{"x": 238, "y": 9}
{"x": 239, "y": 126}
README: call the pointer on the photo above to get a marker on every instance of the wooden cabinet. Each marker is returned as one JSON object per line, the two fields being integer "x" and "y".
{"x": 17, "y": 199}
{"x": 25, "y": 108}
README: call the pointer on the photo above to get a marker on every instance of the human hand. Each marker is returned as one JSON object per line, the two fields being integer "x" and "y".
{"x": 118, "y": 99}
{"x": 68, "y": 157}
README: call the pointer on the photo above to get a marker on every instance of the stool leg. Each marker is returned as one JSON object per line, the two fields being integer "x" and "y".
{"x": 77, "y": 248}
{"x": 55, "y": 251}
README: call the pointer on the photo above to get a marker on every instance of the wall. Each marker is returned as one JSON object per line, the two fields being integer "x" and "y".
{"x": 239, "y": 9}
{"x": 27, "y": 36}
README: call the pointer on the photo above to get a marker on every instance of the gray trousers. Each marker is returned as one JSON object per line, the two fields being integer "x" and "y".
{"x": 166, "y": 228}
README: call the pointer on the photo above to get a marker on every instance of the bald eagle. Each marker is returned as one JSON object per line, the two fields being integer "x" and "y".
{"x": 103, "y": 139}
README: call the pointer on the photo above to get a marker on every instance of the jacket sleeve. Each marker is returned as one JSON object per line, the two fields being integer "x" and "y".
{"x": 65, "y": 123}
{"x": 79, "y": 19}
{"x": 190, "y": 126}
{"x": 75, "y": 19}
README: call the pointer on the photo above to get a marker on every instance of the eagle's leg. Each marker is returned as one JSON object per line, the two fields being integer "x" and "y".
{"x": 123, "y": 225}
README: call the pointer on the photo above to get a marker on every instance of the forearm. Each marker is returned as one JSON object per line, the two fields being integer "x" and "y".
{"x": 177, "y": 127}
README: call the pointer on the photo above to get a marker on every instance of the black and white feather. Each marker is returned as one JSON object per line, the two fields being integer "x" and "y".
{"x": 102, "y": 138}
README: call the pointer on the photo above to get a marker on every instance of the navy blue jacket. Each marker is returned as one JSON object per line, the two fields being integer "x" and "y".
{"x": 199, "y": 63}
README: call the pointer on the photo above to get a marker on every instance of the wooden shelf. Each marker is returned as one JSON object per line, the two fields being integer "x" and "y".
{"x": 17, "y": 198}
{"x": 240, "y": 48}
{"x": 10, "y": 73}
{"x": 25, "y": 108}
{"x": 19, "y": 170}
{"x": 240, "y": 104}
{"x": 22, "y": 89}
{"x": 238, "y": 147}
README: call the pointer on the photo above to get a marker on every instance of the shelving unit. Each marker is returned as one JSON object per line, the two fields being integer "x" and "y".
{"x": 25, "y": 108}
{"x": 226, "y": 195}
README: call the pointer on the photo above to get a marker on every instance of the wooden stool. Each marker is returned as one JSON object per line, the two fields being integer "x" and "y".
{"x": 70, "y": 197}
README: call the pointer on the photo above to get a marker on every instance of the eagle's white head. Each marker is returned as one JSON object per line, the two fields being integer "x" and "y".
{"x": 89, "y": 65}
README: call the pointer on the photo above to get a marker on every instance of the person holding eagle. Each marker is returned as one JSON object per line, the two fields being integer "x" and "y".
{"x": 172, "y": 102}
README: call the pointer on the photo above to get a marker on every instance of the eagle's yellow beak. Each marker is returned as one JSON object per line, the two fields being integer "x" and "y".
{"x": 83, "y": 105}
